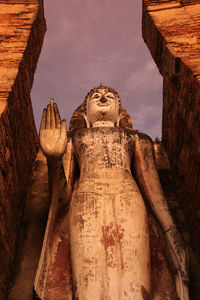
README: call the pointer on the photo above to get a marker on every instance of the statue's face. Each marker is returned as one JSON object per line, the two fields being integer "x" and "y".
{"x": 102, "y": 106}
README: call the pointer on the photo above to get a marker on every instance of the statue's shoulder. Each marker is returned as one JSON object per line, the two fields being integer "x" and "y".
{"x": 140, "y": 136}
{"x": 129, "y": 131}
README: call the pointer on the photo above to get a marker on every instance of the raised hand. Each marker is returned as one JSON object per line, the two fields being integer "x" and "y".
{"x": 179, "y": 260}
{"x": 53, "y": 134}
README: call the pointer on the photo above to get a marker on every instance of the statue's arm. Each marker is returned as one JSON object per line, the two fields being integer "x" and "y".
{"x": 148, "y": 180}
{"x": 149, "y": 183}
{"x": 53, "y": 142}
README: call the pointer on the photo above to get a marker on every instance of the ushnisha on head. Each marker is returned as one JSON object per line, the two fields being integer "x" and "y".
{"x": 102, "y": 107}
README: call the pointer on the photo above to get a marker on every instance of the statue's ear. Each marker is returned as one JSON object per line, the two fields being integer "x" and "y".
{"x": 86, "y": 120}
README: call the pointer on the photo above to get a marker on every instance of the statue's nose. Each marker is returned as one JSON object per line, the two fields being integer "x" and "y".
{"x": 103, "y": 99}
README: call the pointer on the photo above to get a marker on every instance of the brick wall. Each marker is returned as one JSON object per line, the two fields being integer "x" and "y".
{"x": 171, "y": 31}
{"x": 22, "y": 28}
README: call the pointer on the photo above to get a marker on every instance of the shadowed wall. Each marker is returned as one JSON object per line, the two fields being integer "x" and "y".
{"x": 22, "y": 28}
{"x": 171, "y": 31}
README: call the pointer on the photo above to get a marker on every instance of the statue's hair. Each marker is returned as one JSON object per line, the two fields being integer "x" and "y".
{"x": 77, "y": 120}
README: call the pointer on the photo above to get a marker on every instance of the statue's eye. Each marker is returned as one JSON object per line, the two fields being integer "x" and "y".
{"x": 95, "y": 96}
{"x": 110, "y": 96}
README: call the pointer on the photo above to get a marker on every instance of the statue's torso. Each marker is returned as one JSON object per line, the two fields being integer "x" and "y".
{"x": 103, "y": 148}
{"x": 108, "y": 222}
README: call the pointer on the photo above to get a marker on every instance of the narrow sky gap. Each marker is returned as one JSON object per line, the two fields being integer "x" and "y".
{"x": 89, "y": 42}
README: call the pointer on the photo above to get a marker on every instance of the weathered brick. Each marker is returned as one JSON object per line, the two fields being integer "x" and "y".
{"x": 22, "y": 28}
{"x": 171, "y": 30}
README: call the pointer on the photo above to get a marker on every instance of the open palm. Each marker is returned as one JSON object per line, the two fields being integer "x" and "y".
{"x": 53, "y": 135}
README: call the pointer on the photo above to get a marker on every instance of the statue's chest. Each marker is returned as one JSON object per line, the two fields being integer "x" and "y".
{"x": 104, "y": 146}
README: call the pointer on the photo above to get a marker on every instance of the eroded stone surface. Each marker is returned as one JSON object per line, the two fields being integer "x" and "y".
{"x": 104, "y": 221}
{"x": 109, "y": 238}
{"x": 22, "y": 30}
{"x": 171, "y": 30}
{"x": 53, "y": 277}
{"x": 31, "y": 232}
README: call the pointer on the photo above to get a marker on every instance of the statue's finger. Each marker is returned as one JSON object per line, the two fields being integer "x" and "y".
{"x": 63, "y": 128}
{"x": 52, "y": 115}
{"x": 48, "y": 117}
{"x": 43, "y": 120}
{"x": 57, "y": 115}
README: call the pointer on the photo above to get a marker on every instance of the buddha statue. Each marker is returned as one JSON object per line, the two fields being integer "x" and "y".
{"x": 98, "y": 221}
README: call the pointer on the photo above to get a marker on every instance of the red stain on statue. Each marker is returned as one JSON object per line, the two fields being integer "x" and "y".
{"x": 59, "y": 276}
{"x": 112, "y": 242}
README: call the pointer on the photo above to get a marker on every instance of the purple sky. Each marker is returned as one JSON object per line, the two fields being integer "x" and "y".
{"x": 92, "y": 41}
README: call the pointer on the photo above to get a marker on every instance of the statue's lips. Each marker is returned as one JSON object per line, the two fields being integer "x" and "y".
{"x": 103, "y": 103}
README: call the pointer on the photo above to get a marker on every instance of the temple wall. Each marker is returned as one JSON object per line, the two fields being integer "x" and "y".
{"x": 22, "y": 29}
{"x": 171, "y": 30}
